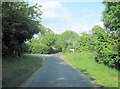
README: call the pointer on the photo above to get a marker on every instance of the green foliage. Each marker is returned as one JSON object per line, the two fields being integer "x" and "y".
{"x": 48, "y": 39}
{"x": 40, "y": 48}
{"x": 60, "y": 43}
{"x": 28, "y": 47}
{"x": 103, "y": 43}
{"x": 111, "y": 15}
{"x": 105, "y": 47}
{"x": 111, "y": 19}
{"x": 83, "y": 43}
{"x": 65, "y": 39}
{"x": 34, "y": 40}
{"x": 19, "y": 24}
{"x": 54, "y": 50}
{"x": 67, "y": 49}
{"x": 55, "y": 42}
{"x": 35, "y": 48}
{"x": 69, "y": 37}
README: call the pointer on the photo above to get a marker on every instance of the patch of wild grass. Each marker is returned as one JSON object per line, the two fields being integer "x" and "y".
{"x": 16, "y": 70}
{"x": 101, "y": 74}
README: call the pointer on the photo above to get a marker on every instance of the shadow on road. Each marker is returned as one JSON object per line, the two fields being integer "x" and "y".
{"x": 56, "y": 72}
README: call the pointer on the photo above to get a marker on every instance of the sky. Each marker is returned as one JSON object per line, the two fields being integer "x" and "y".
{"x": 78, "y": 15}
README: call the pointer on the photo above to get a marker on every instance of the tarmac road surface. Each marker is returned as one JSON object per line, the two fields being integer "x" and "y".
{"x": 56, "y": 72}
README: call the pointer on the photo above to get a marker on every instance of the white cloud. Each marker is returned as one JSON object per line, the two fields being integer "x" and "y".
{"x": 63, "y": 20}
{"x": 52, "y": 5}
{"x": 84, "y": 10}
{"x": 53, "y": 9}
{"x": 54, "y": 29}
{"x": 100, "y": 24}
{"x": 90, "y": 15}
{"x": 76, "y": 27}
{"x": 38, "y": 2}
{"x": 100, "y": 15}
{"x": 81, "y": 27}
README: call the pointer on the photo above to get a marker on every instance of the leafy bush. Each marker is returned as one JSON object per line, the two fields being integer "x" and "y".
{"x": 104, "y": 43}
{"x": 35, "y": 48}
{"x": 28, "y": 48}
{"x": 83, "y": 43}
{"x": 53, "y": 49}
{"x": 40, "y": 48}
{"x": 105, "y": 46}
{"x": 107, "y": 54}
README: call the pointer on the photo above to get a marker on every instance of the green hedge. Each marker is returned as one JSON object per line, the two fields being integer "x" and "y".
{"x": 35, "y": 48}
{"x": 40, "y": 48}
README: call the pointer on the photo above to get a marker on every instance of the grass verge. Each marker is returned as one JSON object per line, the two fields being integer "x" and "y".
{"x": 16, "y": 70}
{"x": 98, "y": 73}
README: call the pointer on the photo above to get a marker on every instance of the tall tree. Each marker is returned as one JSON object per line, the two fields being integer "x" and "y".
{"x": 48, "y": 39}
{"x": 105, "y": 46}
{"x": 60, "y": 42}
{"x": 69, "y": 36}
{"x": 111, "y": 19}
{"x": 19, "y": 24}
{"x": 111, "y": 15}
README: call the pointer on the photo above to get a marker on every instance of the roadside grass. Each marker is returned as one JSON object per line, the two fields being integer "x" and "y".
{"x": 98, "y": 73}
{"x": 15, "y": 71}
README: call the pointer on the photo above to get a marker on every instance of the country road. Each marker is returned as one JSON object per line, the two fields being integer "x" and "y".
{"x": 56, "y": 72}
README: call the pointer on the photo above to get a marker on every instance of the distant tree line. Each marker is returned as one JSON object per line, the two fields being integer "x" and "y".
{"x": 51, "y": 42}
{"x": 98, "y": 40}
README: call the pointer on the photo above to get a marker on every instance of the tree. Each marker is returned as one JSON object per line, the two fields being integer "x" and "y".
{"x": 60, "y": 42}
{"x": 105, "y": 46}
{"x": 111, "y": 19}
{"x": 48, "y": 39}
{"x": 45, "y": 30}
{"x": 83, "y": 43}
{"x": 69, "y": 36}
{"x": 19, "y": 24}
{"x": 111, "y": 15}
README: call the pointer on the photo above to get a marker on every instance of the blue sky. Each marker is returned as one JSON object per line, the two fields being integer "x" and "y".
{"x": 77, "y": 16}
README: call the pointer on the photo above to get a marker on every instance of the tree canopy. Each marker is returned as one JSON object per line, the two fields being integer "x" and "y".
{"x": 19, "y": 24}
{"x": 111, "y": 16}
